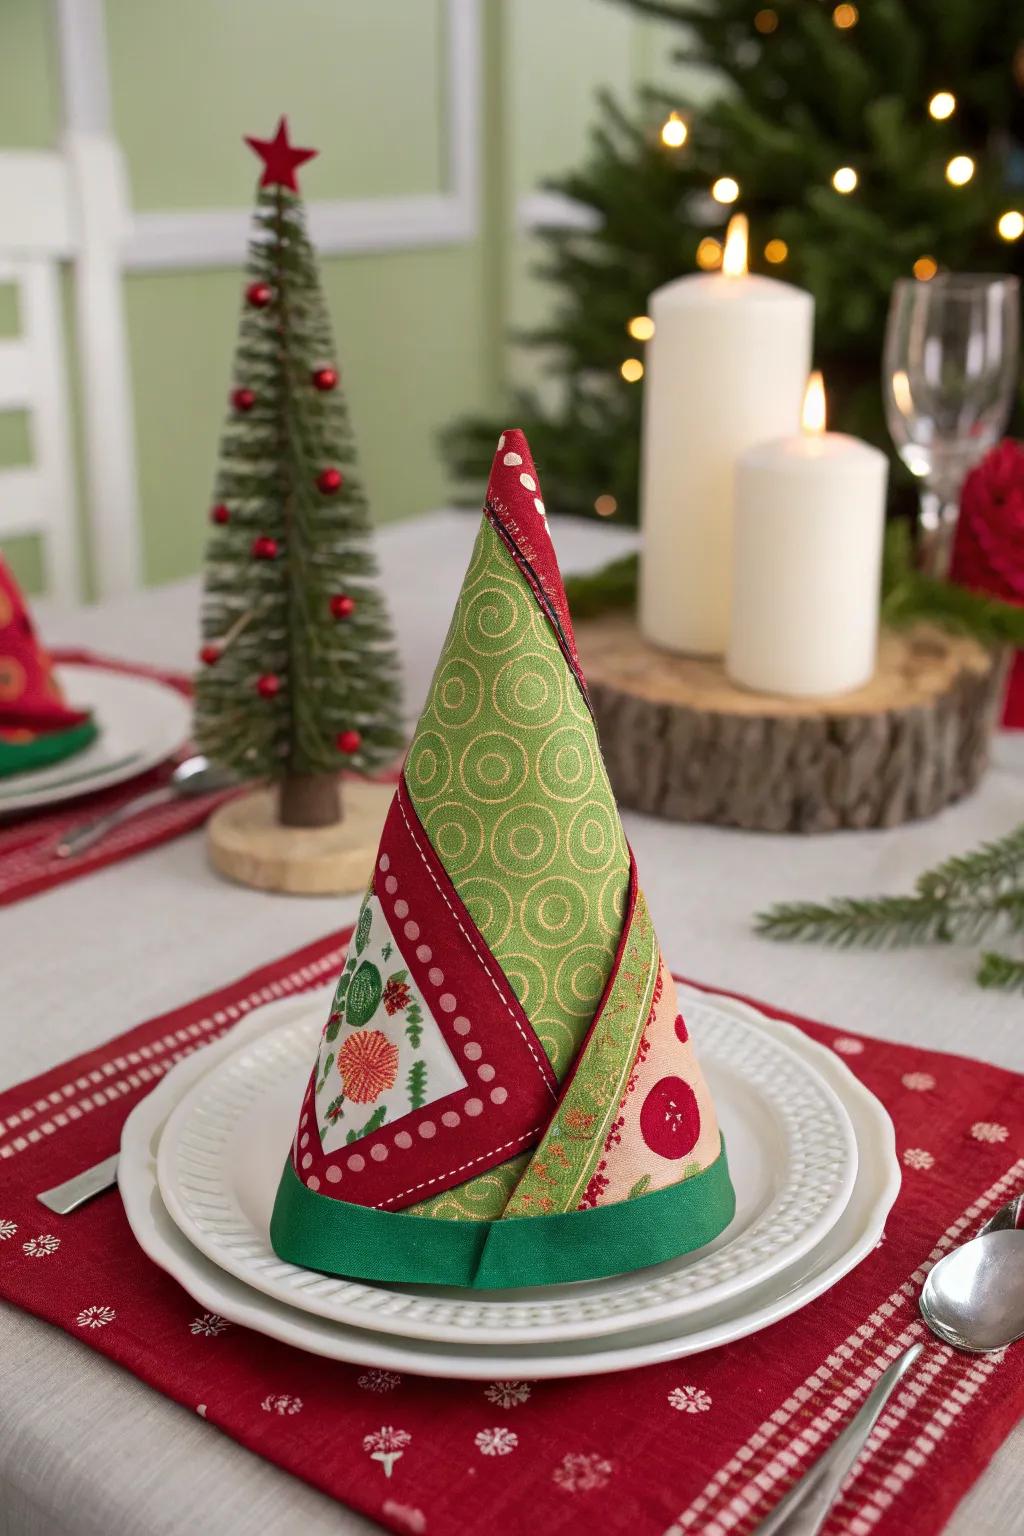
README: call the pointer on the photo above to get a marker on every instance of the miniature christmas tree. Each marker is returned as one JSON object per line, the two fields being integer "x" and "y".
{"x": 300, "y": 676}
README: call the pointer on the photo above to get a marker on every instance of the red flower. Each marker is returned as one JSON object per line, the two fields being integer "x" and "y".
{"x": 396, "y": 996}
{"x": 988, "y": 554}
{"x": 368, "y": 1064}
{"x": 988, "y": 551}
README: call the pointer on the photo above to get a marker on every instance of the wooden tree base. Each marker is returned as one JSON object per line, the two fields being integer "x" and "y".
{"x": 248, "y": 844}
{"x": 682, "y": 741}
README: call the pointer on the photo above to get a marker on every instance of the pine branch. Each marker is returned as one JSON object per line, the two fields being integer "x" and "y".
{"x": 879, "y": 922}
{"x": 1000, "y": 971}
{"x": 611, "y": 587}
{"x": 886, "y": 922}
{"x": 989, "y": 867}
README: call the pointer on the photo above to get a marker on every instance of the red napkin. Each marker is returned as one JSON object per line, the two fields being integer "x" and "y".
{"x": 704, "y": 1445}
{"x": 37, "y": 726}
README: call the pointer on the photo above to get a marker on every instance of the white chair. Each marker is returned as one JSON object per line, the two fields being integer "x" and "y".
{"x": 58, "y": 208}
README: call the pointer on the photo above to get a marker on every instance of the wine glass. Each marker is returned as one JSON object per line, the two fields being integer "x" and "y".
{"x": 948, "y": 377}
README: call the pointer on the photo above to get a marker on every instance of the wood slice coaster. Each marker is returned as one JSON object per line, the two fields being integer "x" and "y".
{"x": 682, "y": 741}
{"x": 247, "y": 843}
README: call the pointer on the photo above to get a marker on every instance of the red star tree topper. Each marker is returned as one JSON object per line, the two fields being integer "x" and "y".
{"x": 280, "y": 158}
{"x": 300, "y": 676}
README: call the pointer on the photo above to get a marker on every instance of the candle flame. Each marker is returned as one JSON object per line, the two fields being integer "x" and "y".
{"x": 734, "y": 256}
{"x": 814, "y": 404}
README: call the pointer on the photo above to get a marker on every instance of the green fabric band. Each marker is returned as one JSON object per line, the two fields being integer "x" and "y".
{"x": 362, "y": 1243}
{"x": 48, "y": 747}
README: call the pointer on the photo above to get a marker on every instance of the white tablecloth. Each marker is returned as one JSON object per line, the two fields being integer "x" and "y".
{"x": 85, "y": 1448}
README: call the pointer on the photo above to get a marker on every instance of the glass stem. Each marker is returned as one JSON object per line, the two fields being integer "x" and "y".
{"x": 936, "y": 528}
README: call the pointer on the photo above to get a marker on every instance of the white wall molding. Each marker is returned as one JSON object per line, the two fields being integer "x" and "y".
{"x": 217, "y": 237}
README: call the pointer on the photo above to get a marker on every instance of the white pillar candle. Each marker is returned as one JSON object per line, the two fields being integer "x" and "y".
{"x": 726, "y": 368}
{"x": 810, "y": 515}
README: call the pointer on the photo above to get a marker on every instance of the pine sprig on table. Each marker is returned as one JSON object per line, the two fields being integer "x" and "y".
{"x": 876, "y": 922}
{"x": 991, "y": 866}
{"x": 960, "y": 901}
{"x": 1000, "y": 971}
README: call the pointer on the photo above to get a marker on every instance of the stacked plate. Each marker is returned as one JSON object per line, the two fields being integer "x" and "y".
{"x": 142, "y": 722}
{"x": 811, "y": 1152}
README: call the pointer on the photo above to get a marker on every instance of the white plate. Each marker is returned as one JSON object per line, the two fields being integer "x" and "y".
{"x": 792, "y": 1156}
{"x": 852, "y": 1239}
{"x": 141, "y": 722}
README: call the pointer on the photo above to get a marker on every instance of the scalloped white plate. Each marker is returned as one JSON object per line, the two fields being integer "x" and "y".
{"x": 792, "y": 1154}
{"x": 851, "y": 1240}
{"x": 142, "y": 722}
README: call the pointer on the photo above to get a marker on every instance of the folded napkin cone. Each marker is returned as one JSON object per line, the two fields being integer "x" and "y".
{"x": 36, "y": 726}
{"x": 504, "y": 1092}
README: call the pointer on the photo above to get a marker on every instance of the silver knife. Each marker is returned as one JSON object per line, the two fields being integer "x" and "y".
{"x": 67, "y": 1197}
{"x": 805, "y": 1507}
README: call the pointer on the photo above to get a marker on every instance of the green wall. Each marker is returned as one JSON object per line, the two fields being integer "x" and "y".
{"x": 419, "y": 333}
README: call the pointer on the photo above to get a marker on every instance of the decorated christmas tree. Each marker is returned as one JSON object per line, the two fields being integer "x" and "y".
{"x": 865, "y": 143}
{"x": 299, "y": 676}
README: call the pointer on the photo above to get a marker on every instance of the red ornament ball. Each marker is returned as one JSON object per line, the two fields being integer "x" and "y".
{"x": 243, "y": 399}
{"x": 268, "y": 686}
{"x": 258, "y": 295}
{"x": 325, "y": 379}
{"x": 264, "y": 548}
{"x": 348, "y": 742}
{"x": 342, "y": 606}
{"x": 329, "y": 480}
{"x": 209, "y": 654}
{"x": 220, "y": 514}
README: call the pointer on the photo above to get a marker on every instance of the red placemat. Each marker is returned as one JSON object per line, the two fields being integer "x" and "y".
{"x": 28, "y": 861}
{"x": 703, "y": 1445}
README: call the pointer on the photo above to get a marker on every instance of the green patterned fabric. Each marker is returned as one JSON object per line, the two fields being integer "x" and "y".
{"x": 507, "y": 778}
{"x": 561, "y": 1167}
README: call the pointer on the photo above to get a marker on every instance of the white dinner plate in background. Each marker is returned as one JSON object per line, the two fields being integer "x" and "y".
{"x": 141, "y": 721}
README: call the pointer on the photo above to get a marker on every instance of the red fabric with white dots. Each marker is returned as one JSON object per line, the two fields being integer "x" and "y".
{"x": 705, "y": 1445}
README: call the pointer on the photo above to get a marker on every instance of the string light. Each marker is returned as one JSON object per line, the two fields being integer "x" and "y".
{"x": 725, "y": 190}
{"x": 766, "y": 21}
{"x": 1011, "y": 224}
{"x": 925, "y": 268}
{"x": 845, "y": 16}
{"x": 960, "y": 170}
{"x": 709, "y": 254}
{"x": 776, "y": 251}
{"x": 641, "y": 327}
{"x": 632, "y": 370}
{"x": 845, "y": 179}
{"x": 606, "y": 506}
{"x": 942, "y": 105}
{"x": 674, "y": 131}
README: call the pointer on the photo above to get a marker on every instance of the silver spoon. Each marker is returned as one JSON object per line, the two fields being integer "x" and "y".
{"x": 1008, "y": 1217}
{"x": 975, "y": 1302}
{"x": 195, "y": 776}
{"x": 974, "y": 1297}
